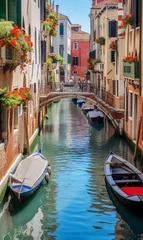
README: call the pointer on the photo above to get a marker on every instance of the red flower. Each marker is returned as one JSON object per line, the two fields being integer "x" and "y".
{"x": 13, "y": 42}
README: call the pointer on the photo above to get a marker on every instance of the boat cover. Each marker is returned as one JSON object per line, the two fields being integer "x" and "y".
{"x": 95, "y": 114}
{"x": 30, "y": 170}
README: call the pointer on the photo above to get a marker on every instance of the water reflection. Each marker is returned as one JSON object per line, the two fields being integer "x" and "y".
{"x": 75, "y": 204}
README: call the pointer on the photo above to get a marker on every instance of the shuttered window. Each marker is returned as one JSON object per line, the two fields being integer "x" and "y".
{"x": 92, "y": 54}
{"x": 114, "y": 87}
{"x": 43, "y": 51}
{"x": 75, "y": 61}
{"x": 112, "y": 28}
{"x": 69, "y": 59}
{"x": 135, "y": 10}
{"x": 61, "y": 29}
{"x": 12, "y": 10}
{"x": 112, "y": 56}
{"x": 3, "y": 9}
{"x": 19, "y": 13}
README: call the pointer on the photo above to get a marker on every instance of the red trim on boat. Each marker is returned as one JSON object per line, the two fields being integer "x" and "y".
{"x": 132, "y": 190}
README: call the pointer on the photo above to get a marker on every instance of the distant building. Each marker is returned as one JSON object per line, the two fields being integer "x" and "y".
{"x": 62, "y": 46}
{"x": 79, "y": 51}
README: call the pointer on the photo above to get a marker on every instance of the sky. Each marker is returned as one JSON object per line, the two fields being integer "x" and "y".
{"x": 77, "y": 11}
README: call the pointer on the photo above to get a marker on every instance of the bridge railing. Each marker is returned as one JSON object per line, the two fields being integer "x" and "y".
{"x": 82, "y": 87}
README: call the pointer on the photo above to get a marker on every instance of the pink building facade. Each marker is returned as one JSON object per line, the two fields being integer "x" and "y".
{"x": 79, "y": 52}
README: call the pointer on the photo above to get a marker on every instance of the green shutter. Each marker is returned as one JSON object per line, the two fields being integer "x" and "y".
{"x": 3, "y": 9}
{"x": 109, "y": 28}
{"x": 19, "y": 13}
{"x": 69, "y": 59}
{"x": 12, "y": 10}
{"x": 61, "y": 29}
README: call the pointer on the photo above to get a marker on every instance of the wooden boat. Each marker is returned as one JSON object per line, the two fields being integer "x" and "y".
{"x": 95, "y": 116}
{"x": 133, "y": 218}
{"x": 80, "y": 102}
{"x": 125, "y": 180}
{"x": 28, "y": 176}
{"x": 86, "y": 107}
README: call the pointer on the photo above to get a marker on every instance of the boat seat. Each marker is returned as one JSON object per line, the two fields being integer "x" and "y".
{"x": 127, "y": 181}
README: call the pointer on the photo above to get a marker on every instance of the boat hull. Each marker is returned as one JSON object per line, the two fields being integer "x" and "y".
{"x": 125, "y": 181}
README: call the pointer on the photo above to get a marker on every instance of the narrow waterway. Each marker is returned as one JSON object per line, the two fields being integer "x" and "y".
{"x": 76, "y": 204}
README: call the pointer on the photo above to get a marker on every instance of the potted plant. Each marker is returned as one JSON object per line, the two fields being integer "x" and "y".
{"x": 130, "y": 59}
{"x": 113, "y": 45}
{"x": 5, "y": 27}
{"x": 127, "y": 20}
{"x": 100, "y": 40}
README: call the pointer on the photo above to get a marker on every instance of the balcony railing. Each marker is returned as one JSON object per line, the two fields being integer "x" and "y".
{"x": 131, "y": 70}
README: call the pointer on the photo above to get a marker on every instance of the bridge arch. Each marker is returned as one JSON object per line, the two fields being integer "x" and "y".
{"x": 115, "y": 116}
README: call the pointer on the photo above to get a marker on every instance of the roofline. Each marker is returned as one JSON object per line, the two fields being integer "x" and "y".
{"x": 105, "y": 7}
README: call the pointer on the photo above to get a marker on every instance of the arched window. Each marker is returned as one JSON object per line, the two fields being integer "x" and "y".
{"x": 61, "y": 29}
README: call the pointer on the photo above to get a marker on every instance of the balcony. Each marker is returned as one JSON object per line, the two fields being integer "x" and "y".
{"x": 131, "y": 70}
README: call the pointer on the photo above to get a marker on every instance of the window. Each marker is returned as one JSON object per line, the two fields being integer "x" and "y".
{"x": 61, "y": 29}
{"x": 75, "y": 61}
{"x": 114, "y": 87}
{"x": 61, "y": 50}
{"x": 75, "y": 46}
{"x": 135, "y": 10}
{"x": 112, "y": 56}
{"x": 117, "y": 88}
{"x": 131, "y": 104}
{"x": 113, "y": 27}
{"x": 75, "y": 72}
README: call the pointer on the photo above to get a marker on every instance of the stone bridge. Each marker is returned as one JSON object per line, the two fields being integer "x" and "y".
{"x": 116, "y": 116}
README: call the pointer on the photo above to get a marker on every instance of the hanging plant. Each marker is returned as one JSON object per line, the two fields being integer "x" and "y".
{"x": 113, "y": 45}
{"x": 100, "y": 40}
{"x": 15, "y": 97}
{"x": 127, "y": 20}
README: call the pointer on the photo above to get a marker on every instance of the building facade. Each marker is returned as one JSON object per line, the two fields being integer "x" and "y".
{"x": 79, "y": 51}
{"x": 62, "y": 46}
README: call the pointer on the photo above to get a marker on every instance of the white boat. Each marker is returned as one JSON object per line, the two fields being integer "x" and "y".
{"x": 28, "y": 175}
{"x": 96, "y": 116}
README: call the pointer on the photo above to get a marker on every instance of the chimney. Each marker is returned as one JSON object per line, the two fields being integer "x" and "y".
{"x": 57, "y": 10}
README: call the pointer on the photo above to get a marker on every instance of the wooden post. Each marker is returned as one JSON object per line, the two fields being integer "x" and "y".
{"x": 138, "y": 136}
{"x": 26, "y": 133}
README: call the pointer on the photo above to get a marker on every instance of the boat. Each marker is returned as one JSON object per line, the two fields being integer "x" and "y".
{"x": 133, "y": 218}
{"x": 80, "y": 102}
{"x": 95, "y": 116}
{"x": 86, "y": 107}
{"x": 125, "y": 180}
{"x": 28, "y": 175}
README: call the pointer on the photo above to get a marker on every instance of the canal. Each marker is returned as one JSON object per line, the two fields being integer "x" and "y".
{"x": 76, "y": 204}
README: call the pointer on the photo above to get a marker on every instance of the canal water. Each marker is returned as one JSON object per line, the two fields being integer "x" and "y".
{"x": 76, "y": 204}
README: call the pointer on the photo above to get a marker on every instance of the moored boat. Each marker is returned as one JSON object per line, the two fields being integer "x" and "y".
{"x": 28, "y": 175}
{"x": 95, "y": 116}
{"x": 80, "y": 102}
{"x": 125, "y": 180}
{"x": 86, "y": 107}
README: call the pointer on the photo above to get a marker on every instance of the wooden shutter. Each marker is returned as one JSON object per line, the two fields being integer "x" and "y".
{"x": 12, "y": 10}
{"x": 112, "y": 56}
{"x": 43, "y": 51}
{"x": 133, "y": 7}
{"x": 109, "y": 29}
{"x": 114, "y": 87}
{"x": 61, "y": 29}
{"x": 19, "y": 13}
{"x": 3, "y": 9}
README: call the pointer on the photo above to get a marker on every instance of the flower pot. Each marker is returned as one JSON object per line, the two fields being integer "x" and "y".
{"x": 2, "y": 42}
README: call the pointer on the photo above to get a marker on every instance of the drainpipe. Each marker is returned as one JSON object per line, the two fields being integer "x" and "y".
{"x": 140, "y": 52}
